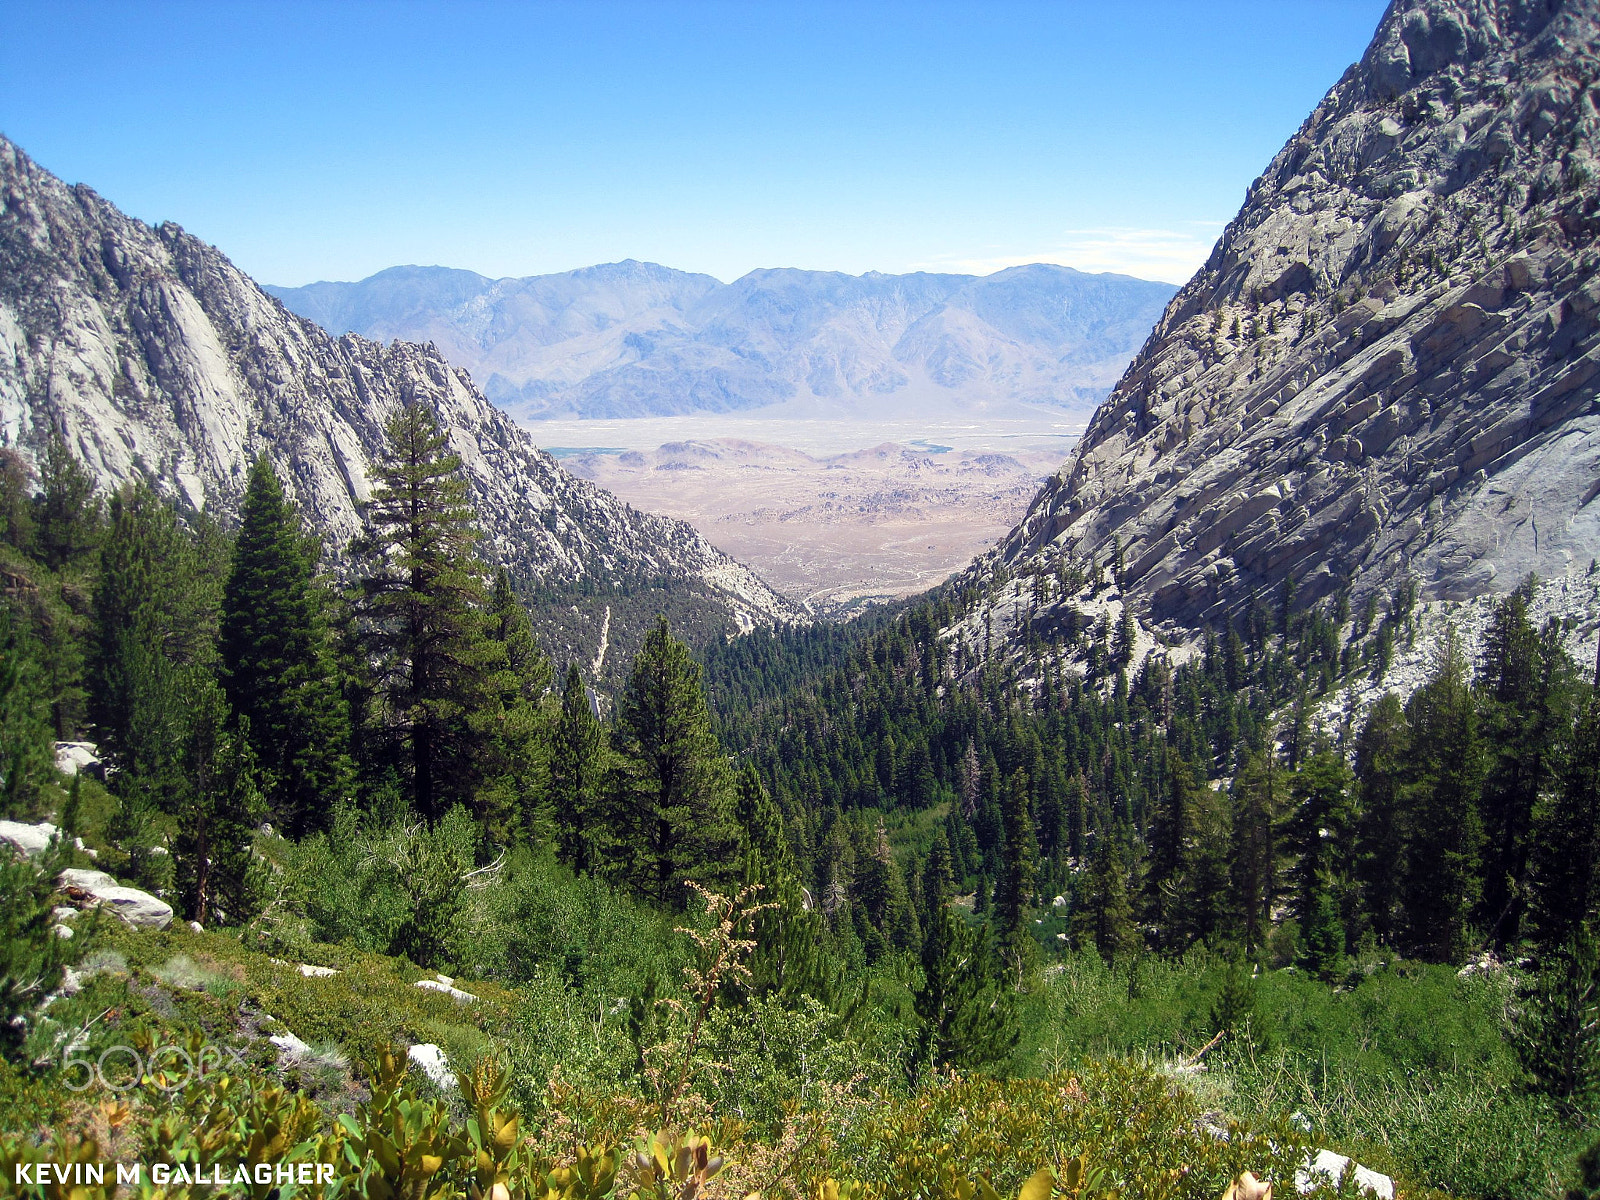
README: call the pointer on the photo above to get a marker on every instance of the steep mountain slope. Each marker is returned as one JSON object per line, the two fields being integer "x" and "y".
{"x": 631, "y": 339}
{"x": 150, "y": 351}
{"x": 1388, "y": 366}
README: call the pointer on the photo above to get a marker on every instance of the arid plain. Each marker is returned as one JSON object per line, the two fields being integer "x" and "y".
{"x": 832, "y": 526}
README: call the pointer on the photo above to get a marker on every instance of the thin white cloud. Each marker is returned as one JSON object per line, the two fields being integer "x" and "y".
{"x": 1171, "y": 255}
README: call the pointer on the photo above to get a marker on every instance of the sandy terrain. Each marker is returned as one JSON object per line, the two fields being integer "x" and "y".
{"x": 834, "y": 529}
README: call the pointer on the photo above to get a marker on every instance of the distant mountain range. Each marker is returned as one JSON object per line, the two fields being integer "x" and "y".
{"x": 636, "y": 339}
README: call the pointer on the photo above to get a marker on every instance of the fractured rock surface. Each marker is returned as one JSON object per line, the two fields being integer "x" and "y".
{"x": 151, "y": 353}
{"x": 1389, "y": 364}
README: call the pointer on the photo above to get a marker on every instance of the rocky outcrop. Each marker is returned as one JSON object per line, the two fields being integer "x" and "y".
{"x": 1389, "y": 364}
{"x": 151, "y": 353}
{"x": 633, "y": 339}
{"x": 445, "y": 986}
{"x": 96, "y": 889}
{"x": 75, "y": 757}
{"x": 31, "y": 840}
{"x": 431, "y": 1060}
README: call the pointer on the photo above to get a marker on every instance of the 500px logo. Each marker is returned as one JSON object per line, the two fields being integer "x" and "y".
{"x": 121, "y": 1068}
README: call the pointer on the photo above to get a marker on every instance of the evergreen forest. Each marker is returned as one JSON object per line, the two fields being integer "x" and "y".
{"x": 829, "y": 910}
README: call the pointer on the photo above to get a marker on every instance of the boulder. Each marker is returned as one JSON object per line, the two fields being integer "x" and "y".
{"x": 62, "y": 931}
{"x": 455, "y": 993}
{"x": 197, "y": 927}
{"x": 94, "y": 889}
{"x": 1324, "y": 1166}
{"x": 433, "y": 1063}
{"x": 289, "y": 1046}
{"x": 85, "y": 879}
{"x": 314, "y": 972}
{"x": 73, "y": 758}
{"x": 32, "y": 840}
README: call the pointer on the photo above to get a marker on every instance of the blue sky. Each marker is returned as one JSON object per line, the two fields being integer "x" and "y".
{"x": 328, "y": 140}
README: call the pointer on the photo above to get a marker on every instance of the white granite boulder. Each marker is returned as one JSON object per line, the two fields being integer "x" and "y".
{"x": 32, "y": 840}
{"x": 1326, "y": 1167}
{"x": 96, "y": 889}
{"x": 433, "y": 1063}
{"x": 446, "y": 989}
{"x": 73, "y": 758}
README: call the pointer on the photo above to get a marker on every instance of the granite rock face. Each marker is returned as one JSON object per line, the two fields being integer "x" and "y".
{"x": 149, "y": 351}
{"x": 1388, "y": 367}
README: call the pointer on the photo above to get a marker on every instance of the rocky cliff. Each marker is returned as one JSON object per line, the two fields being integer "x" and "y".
{"x": 151, "y": 352}
{"x": 633, "y": 339}
{"x": 1389, "y": 364}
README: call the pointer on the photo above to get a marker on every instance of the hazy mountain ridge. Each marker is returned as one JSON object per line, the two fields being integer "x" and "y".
{"x": 151, "y": 352}
{"x": 1388, "y": 365}
{"x": 631, "y": 338}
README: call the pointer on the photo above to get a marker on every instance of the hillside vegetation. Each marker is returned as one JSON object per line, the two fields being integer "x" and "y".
{"x": 880, "y": 914}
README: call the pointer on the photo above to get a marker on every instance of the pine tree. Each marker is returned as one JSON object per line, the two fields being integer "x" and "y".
{"x": 278, "y": 665}
{"x": 578, "y": 768}
{"x": 1442, "y": 881}
{"x": 761, "y": 826}
{"x": 32, "y": 957}
{"x": 1321, "y": 930}
{"x": 1381, "y": 837}
{"x": 422, "y": 601}
{"x": 26, "y": 747}
{"x": 1526, "y": 685}
{"x": 1103, "y": 916}
{"x": 1015, "y": 891}
{"x": 16, "y": 501}
{"x": 673, "y": 787}
{"x": 1560, "y": 1037}
{"x": 1321, "y": 838}
{"x": 967, "y": 1015}
{"x": 938, "y": 879}
{"x": 1254, "y": 848}
{"x": 1565, "y": 870}
{"x": 516, "y": 723}
{"x": 1234, "y": 1012}
{"x": 1172, "y": 845}
{"x": 156, "y": 604}
{"x": 69, "y": 516}
{"x": 218, "y": 810}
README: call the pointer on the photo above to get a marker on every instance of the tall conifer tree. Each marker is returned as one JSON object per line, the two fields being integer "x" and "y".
{"x": 1442, "y": 880}
{"x": 1566, "y": 857}
{"x": 577, "y": 774}
{"x": 422, "y": 599}
{"x": 156, "y": 603}
{"x": 1254, "y": 848}
{"x": 516, "y": 722}
{"x": 218, "y": 808}
{"x": 25, "y": 742}
{"x": 1103, "y": 916}
{"x": 1527, "y": 692}
{"x": 968, "y": 1018}
{"x": 673, "y": 787}
{"x": 1019, "y": 870}
{"x": 1381, "y": 837}
{"x": 69, "y": 516}
{"x": 278, "y": 665}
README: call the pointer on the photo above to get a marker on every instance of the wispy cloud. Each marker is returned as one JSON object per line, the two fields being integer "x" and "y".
{"x": 1172, "y": 255}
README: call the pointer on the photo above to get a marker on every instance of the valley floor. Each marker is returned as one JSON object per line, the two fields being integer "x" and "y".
{"x": 820, "y": 518}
